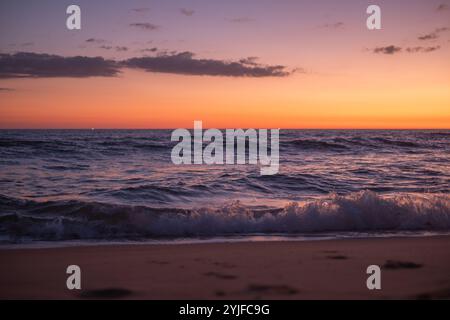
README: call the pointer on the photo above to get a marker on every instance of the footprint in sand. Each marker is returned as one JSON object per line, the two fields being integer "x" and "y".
{"x": 436, "y": 295}
{"x": 109, "y": 293}
{"x": 272, "y": 289}
{"x": 338, "y": 257}
{"x": 220, "y": 293}
{"x": 224, "y": 265}
{"x": 396, "y": 265}
{"x": 159, "y": 262}
{"x": 220, "y": 275}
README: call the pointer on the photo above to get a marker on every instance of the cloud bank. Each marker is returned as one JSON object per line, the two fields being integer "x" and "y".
{"x": 116, "y": 48}
{"x": 36, "y": 65}
{"x": 433, "y": 35}
{"x": 185, "y": 63}
{"x": 145, "y": 26}
{"x": 422, "y": 49}
{"x": 387, "y": 50}
{"x": 394, "y": 49}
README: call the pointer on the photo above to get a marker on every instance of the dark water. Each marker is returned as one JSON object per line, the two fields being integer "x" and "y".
{"x": 119, "y": 184}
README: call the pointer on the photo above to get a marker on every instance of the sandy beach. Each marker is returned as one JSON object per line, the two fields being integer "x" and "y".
{"x": 412, "y": 268}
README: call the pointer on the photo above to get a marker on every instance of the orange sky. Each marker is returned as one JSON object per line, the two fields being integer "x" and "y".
{"x": 171, "y": 101}
{"x": 346, "y": 85}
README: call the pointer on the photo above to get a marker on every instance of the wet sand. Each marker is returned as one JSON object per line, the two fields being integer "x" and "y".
{"x": 411, "y": 268}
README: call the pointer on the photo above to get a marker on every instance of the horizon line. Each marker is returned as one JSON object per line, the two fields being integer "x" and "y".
{"x": 206, "y": 128}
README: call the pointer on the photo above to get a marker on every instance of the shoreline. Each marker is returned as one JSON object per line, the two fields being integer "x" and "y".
{"x": 251, "y": 238}
{"x": 412, "y": 268}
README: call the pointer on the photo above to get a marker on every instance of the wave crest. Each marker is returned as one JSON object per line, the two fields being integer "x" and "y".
{"x": 356, "y": 212}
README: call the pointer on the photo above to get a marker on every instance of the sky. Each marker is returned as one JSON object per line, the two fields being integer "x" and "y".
{"x": 230, "y": 64}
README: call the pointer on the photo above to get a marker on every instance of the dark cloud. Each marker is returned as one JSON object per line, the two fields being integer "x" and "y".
{"x": 422, "y": 49}
{"x": 336, "y": 25}
{"x": 394, "y": 49}
{"x": 184, "y": 63}
{"x": 6, "y": 90}
{"x": 252, "y": 61}
{"x": 430, "y": 36}
{"x": 387, "y": 50}
{"x": 442, "y": 7}
{"x": 154, "y": 49}
{"x": 443, "y": 29}
{"x": 23, "y": 44}
{"x": 144, "y": 26}
{"x": 433, "y": 35}
{"x": 240, "y": 20}
{"x": 141, "y": 10}
{"x": 116, "y": 48}
{"x": 96, "y": 41}
{"x": 187, "y": 12}
{"x": 36, "y": 65}
{"x": 167, "y": 53}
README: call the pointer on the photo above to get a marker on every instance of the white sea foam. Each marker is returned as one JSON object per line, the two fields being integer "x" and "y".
{"x": 361, "y": 211}
{"x": 364, "y": 211}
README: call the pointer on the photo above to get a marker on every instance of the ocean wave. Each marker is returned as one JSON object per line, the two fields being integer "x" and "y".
{"x": 397, "y": 143}
{"x": 363, "y": 211}
{"x": 439, "y": 134}
{"x": 316, "y": 144}
{"x": 80, "y": 144}
{"x": 88, "y": 144}
{"x": 356, "y": 143}
{"x": 6, "y": 143}
{"x": 133, "y": 143}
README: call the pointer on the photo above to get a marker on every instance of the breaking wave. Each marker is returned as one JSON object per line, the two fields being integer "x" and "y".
{"x": 365, "y": 211}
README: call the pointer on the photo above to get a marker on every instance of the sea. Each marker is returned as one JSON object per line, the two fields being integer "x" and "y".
{"x": 65, "y": 187}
